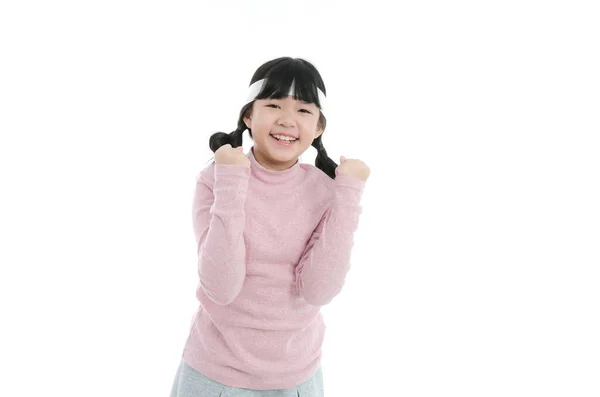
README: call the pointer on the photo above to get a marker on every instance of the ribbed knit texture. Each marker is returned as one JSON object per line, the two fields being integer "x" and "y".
{"x": 273, "y": 247}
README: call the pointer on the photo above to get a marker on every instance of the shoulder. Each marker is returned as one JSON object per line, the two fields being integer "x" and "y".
{"x": 212, "y": 171}
{"x": 206, "y": 175}
{"x": 322, "y": 182}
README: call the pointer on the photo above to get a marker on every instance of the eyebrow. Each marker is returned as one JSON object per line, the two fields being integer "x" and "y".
{"x": 299, "y": 100}
{"x": 305, "y": 103}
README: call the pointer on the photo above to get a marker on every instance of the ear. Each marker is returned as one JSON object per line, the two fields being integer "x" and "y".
{"x": 319, "y": 131}
{"x": 248, "y": 117}
{"x": 248, "y": 121}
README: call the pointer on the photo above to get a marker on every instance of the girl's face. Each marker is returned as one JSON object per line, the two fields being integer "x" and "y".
{"x": 271, "y": 118}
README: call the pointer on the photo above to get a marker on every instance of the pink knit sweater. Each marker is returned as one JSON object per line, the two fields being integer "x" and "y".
{"x": 273, "y": 247}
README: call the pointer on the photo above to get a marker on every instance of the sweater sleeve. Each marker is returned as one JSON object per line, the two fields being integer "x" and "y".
{"x": 323, "y": 266}
{"x": 218, "y": 221}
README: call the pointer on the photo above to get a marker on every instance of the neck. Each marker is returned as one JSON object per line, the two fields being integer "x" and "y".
{"x": 282, "y": 175}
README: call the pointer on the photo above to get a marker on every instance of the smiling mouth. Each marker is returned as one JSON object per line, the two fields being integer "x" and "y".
{"x": 292, "y": 140}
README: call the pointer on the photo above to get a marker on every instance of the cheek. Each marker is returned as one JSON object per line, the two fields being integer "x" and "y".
{"x": 310, "y": 126}
{"x": 263, "y": 121}
{"x": 263, "y": 126}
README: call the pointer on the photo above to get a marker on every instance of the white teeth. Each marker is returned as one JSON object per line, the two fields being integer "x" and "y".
{"x": 284, "y": 138}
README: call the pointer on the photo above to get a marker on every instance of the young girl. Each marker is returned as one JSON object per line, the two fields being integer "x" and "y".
{"x": 274, "y": 239}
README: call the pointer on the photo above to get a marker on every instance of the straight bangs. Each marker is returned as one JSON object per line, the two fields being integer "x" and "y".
{"x": 280, "y": 79}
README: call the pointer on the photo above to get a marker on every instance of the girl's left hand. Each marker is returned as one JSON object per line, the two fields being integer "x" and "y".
{"x": 354, "y": 168}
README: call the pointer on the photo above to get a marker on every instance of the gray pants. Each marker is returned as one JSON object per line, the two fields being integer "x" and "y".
{"x": 191, "y": 383}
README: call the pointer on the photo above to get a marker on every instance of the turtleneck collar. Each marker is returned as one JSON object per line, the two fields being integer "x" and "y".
{"x": 284, "y": 177}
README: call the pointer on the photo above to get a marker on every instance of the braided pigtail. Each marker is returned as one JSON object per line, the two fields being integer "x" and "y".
{"x": 219, "y": 139}
{"x": 323, "y": 162}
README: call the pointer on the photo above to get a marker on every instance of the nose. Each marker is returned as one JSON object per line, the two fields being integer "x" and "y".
{"x": 286, "y": 118}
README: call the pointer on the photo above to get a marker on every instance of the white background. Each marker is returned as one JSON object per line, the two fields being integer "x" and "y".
{"x": 475, "y": 270}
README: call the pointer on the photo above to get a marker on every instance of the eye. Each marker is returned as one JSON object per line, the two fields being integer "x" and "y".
{"x": 272, "y": 104}
{"x": 306, "y": 110}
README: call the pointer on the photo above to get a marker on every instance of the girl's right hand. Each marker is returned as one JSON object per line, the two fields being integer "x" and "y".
{"x": 226, "y": 155}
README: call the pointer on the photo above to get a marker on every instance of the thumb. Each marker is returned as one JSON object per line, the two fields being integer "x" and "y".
{"x": 239, "y": 148}
{"x": 342, "y": 159}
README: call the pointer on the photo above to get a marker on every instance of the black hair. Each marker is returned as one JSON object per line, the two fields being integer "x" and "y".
{"x": 279, "y": 74}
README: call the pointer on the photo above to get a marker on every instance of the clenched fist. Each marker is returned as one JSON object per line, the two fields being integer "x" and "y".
{"x": 226, "y": 155}
{"x": 354, "y": 168}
